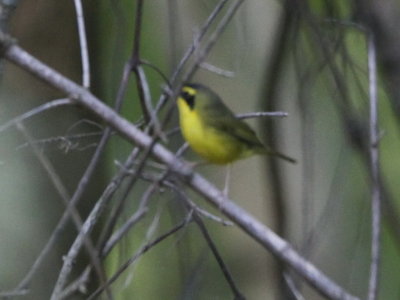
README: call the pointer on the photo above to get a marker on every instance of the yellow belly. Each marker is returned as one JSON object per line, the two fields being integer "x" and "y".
{"x": 204, "y": 140}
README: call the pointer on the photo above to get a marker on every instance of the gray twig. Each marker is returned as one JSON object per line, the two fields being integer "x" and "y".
{"x": 374, "y": 169}
{"x": 279, "y": 114}
{"x": 83, "y": 44}
{"x": 229, "y": 278}
{"x": 139, "y": 253}
{"x": 70, "y": 210}
{"x": 37, "y": 110}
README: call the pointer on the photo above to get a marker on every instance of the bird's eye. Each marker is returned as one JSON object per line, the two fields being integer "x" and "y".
{"x": 189, "y": 98}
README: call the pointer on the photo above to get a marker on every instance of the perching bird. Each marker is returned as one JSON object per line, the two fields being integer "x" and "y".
{"x": 213, "y": 131}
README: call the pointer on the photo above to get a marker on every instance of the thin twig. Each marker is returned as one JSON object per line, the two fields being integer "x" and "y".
{"x": 145, "y": 90}
{"x": 93, "y": 216}
{"x": 206, "y": 214}
{"x": 374, "y": 161}
{"x": 118, "y": 103}
{"x": 216, "y": 70}
{"x": 87, "y": 227}
{"x": 70, "y": 210}
{"x": 78, "y": 285}
{"x": 121, "y": 232}
{"x": 66, "y": 143}
{"x": 138, "y": 254}
{"x": 193, "y": 46}
{"x": 292, "y": 286}
{"x": 198, "y": 210}
{"x": 196, "y": 42}
{"x": 119, "y": 204}
{"x": 213, "y": 39}
{"x": 15, "y": 293}
{"x": 149, "y": 115}
{"x": 156, "y": 69}
{"x": 135, "y": 61}
{"x": 161, "y": 180}
{"x": 279, "y": 114}
{"x": 51, "y": 172}
{"x": 238, "y": 295}
{"x": 139, "y": 213}
{"x": 107, "y": 194}
{"x": 83, "y": 44}
{"x": 37, "y": 110}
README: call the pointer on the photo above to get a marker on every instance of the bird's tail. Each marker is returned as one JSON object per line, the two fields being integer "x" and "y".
{"x": 282, "y": 156}
{"x": 267, "y": 151}
{"x": 285, "y": 157}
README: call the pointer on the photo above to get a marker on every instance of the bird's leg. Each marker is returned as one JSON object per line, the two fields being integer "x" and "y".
{"x": 227, "y": 179}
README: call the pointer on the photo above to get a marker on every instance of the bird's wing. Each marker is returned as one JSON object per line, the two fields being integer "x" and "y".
{"x": 221, "y": 118}
{"x": 236, "y": 129}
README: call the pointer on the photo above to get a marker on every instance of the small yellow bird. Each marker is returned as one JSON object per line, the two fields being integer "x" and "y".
{"x": 213, "y": 131}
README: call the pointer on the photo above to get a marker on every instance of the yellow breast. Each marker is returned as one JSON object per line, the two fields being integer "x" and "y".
{"x": 209, "y": 143}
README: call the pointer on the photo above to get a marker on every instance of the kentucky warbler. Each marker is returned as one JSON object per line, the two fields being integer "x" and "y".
{"x": 213, "y": 131}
